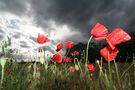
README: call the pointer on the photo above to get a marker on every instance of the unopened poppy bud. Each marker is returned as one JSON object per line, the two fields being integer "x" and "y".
{"x": 97, "y": 62}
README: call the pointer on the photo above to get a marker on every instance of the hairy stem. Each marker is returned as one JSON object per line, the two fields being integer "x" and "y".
{"x": 87, "y": 51}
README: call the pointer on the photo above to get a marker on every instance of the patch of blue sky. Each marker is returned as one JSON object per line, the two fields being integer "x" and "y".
{"x": 13, "y": 23}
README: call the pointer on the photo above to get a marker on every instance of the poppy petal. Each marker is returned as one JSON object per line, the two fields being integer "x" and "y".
{"x": 69, "y": 44}
{"x": 57, "y": 57}
{"x": 59, "y": 47}
{"x": 91, "y": 67}
{"x": 108, "y": 53}
{"x": 116, "y": 37}
{"x": 41, "y": 39}
{"x": 71, "y": 69}
{"x": 76, "y": 53}
{"x": 99, "y": 32}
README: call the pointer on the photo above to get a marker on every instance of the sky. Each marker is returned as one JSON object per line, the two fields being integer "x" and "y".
{"x": 61, "y": 20}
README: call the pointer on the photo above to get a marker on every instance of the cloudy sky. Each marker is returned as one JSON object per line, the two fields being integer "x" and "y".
{"x": 61, "y": 20}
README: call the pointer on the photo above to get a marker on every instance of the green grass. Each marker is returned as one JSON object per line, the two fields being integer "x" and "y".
{"x": 20, "y": 77}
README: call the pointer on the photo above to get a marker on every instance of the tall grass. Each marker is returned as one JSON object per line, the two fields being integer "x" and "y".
{"x": 54, "y": 76}
{"x": 20, "y": 77}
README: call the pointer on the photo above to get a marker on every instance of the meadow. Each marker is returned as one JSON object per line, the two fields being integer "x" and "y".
{"x": 69, "y": 71}
{"x": 19, "y": 76}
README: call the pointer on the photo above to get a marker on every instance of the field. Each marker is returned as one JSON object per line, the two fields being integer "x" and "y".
{"x": 19, "y": 76}
{"x": 67, "y": 72}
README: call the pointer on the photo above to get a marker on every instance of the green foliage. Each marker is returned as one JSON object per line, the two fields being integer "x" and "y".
{"x": 53, "y": 76}
{"x": 20, "y": 77}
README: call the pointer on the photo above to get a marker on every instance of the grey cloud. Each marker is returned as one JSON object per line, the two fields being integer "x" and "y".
{"x": 13, "y": 6}
{"x": 79, "y": 15}
{"x": 1, "y": 34}
{"x": 16, "y": 36}
{"x": 24, "y": 44}
{"x": 83, "y": 14}
{"x": 1, "y": 37}
{"x": 1, "y": 31}
{"x": 32, "y": 38}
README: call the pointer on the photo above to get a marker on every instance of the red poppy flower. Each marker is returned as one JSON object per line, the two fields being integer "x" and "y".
{"x": 108, "y": 53}
{"x": 76, "y": 53}
{"x": 67, "y": 59}
{"x": 69, "y": 44}
{"x": 116, "y": 37}
{"x": 91, "y": 67}
{"x": 59, "y": 47}
{"x": 42, "y": 39}
{"x": 71, "y": 69}
{"x": 57, "y": 57}
{"x": 99, "y": 32}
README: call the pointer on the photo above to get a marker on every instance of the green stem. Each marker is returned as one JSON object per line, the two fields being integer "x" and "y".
{"x": 126, "y": 70}
{"x": 108, "y": 53}
{"x": 117, "y": 73}
{"x": 109, "y": 69}
{"x": 79, "y": 65}
{"x": 45, "y": 61}
{"x": 74, "y": 61}
{"x": 100, "y": 71}
{"x": 35, "y": 66}
{"x": 67, "y": 52}
{"x": 87, "y": 51}
{"x": 2, "y": 76}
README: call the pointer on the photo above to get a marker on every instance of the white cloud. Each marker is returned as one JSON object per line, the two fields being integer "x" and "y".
{"x": 60, "y": 32}
{"x": 25, "y": 28}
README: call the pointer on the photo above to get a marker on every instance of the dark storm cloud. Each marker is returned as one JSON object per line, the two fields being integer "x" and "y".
{"x": 83, "y": 14}
{"x": 79, "y": 15}
{"x": 13, "y": 6}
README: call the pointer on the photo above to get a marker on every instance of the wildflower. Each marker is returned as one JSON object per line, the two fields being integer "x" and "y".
{"x": 76, "y": 53}
{"x": 69, "y": 44}
{"x": 57, "y": 57}
{"x": 108, "y": 53}
{"x": 67, "y": 59}
{"x": 116, "y": 37}
{"x": 71, "y": 69}
{"x": 42, "y": 39}
{"x": 99, "y": 32}
{"x": 59, "y": 47}
{"x": 91, "y": 67}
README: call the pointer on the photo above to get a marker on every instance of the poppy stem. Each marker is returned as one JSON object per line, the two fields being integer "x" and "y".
{"x": 67, "y": 52}
{"x": 108, "y": 53}
{"x": 2, "y": 76}
{"x": 34, "y": 67}
{"x": 79, "y": 65}
{"x": 87, "y": 51}
{"x": 117, "y": 73}
{"x": 126, "y": 70}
